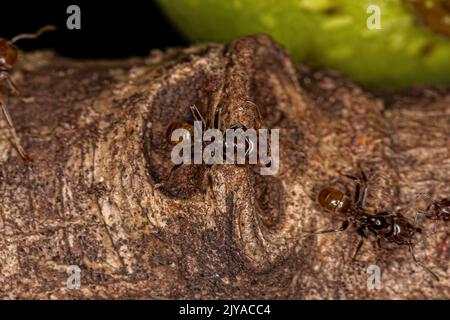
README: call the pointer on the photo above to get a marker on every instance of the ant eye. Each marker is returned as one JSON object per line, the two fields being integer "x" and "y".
{"x": 377, "y": 223}
{"x": 446, "y": 218}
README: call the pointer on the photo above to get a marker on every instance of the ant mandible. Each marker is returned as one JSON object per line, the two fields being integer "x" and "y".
{"x": 388, "y": 226}
{"x": 8, "y": 58}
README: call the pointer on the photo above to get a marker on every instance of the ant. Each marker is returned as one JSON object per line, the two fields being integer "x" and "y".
{"x": 216, "y": 123}
{"x": 8, "y": 58}
{"x": 185, "y": 125}
{"x": 436, "y": 211}
{"x": 439, "y": 210}
{"x": 388, "y": 226}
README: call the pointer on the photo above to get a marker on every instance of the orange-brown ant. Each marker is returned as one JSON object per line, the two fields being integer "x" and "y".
{"x": 388, "y": 226}
{"x": 8, "y": 58}
{"x": 185, "y": 125}
{"x": 215, "y": 124}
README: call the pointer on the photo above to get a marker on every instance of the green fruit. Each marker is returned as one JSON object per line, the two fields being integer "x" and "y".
{"x": 409, "y": 48}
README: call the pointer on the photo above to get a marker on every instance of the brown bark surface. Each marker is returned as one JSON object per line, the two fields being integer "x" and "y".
{"x": 101, "y": 193}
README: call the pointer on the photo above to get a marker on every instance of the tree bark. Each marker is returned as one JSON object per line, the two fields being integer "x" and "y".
{"x": 101, "y": 192}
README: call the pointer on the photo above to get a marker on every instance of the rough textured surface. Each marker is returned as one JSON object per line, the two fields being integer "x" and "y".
{"x": 101, "y": 194}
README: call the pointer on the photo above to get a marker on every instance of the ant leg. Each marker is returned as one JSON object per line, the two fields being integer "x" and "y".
{"x": 12, "y": 85}
{"x": 357, "y": 194}
{"x": 361, "y": 190}
{"x": 423, "y": 196}
{"x": 358, "y": 248}
{"x": 15, "y": 139}
{"x": 197, "y": 115}
{"x": 365, "y": 190}
{"x": 378, "y": 247}
{"x": 419, "y": 230}
{"x": 343, "y": 227}
{"x": 4, "y": 75}
{"x": 387, "y": 214}
{"x": 363, "y": 236}
{"x": 379, "y": 244}
{"x": 426, "y": 213}
{"x": 10, "y": 82}
{"x": 420, "y": 264}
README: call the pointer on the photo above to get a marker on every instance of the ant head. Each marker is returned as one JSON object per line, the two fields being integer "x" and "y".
{"x": 432, "y": 207}
{"x": 439, "y": 210}
{"x": 432, "y": 211}
{"x": 8, "y": 54}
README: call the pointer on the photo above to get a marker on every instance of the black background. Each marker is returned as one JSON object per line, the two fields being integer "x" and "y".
{"x": 302, "y": 310}
{"x": 109, "y": 29}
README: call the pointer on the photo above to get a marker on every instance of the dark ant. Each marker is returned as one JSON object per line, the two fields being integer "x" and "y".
{"x": 8, "y": 58}
{"x": 438, "y": 210}
{"x": 388, "y": 226}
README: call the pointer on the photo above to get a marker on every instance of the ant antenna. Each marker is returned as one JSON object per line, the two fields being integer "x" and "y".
{"x": 343, "y": 227}
{"x": 411, "y": 249}
{"x": 197, "y": 115}
{"x": 33, "y": 35}
{"x": 429, "y": 199}
{"x": 16, "y": 142}
{"x": 420, "y": 264}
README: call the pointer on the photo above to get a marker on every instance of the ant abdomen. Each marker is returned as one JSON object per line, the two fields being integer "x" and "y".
{"x": 179, "y": 125}
{"x": 334, "y": 200}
